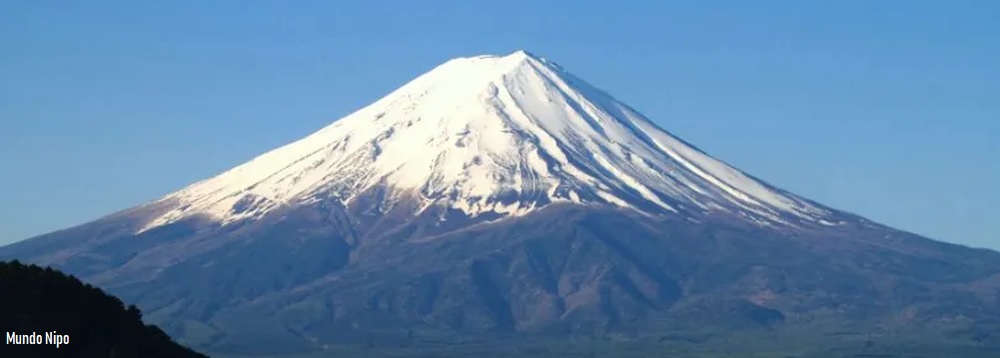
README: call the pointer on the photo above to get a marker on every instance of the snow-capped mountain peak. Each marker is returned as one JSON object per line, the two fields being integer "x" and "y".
{"x": 499, "y": 134}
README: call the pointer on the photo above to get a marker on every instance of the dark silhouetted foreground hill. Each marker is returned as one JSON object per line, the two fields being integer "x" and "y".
{"x": 36, "y": 300}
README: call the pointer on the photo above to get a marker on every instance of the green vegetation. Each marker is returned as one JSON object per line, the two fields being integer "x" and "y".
{"x": 811, "y": 342}
{"x": 730, "y": 347}
{"x": 38, "y": 300}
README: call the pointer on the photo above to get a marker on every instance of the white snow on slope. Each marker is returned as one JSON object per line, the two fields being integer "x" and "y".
{"x": 503, "y": 134}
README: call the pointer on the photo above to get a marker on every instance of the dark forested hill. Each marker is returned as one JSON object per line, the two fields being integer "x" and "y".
{"x": 37, "y": 305}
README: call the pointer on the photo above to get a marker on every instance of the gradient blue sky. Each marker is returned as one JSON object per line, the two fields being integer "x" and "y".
{"x": 889, "y": 109}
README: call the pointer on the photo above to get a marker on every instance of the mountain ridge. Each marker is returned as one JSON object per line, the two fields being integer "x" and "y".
{"x": 501, "y": 134}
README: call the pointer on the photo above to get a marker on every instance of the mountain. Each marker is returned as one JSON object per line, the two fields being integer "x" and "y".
{"x": 501, "y": 206}
{"x": 491, "y": 136}
{"x": 39, "y": 301}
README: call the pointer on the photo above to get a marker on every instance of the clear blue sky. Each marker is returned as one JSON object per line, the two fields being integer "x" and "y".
{"x": 889, "y": 109}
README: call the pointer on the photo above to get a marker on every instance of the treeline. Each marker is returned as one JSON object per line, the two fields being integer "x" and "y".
{"x": 35, "y": 301}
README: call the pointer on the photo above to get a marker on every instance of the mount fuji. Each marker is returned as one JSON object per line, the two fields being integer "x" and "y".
{"x": 492, "y": 136}
{"x": 500, "y": 201}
